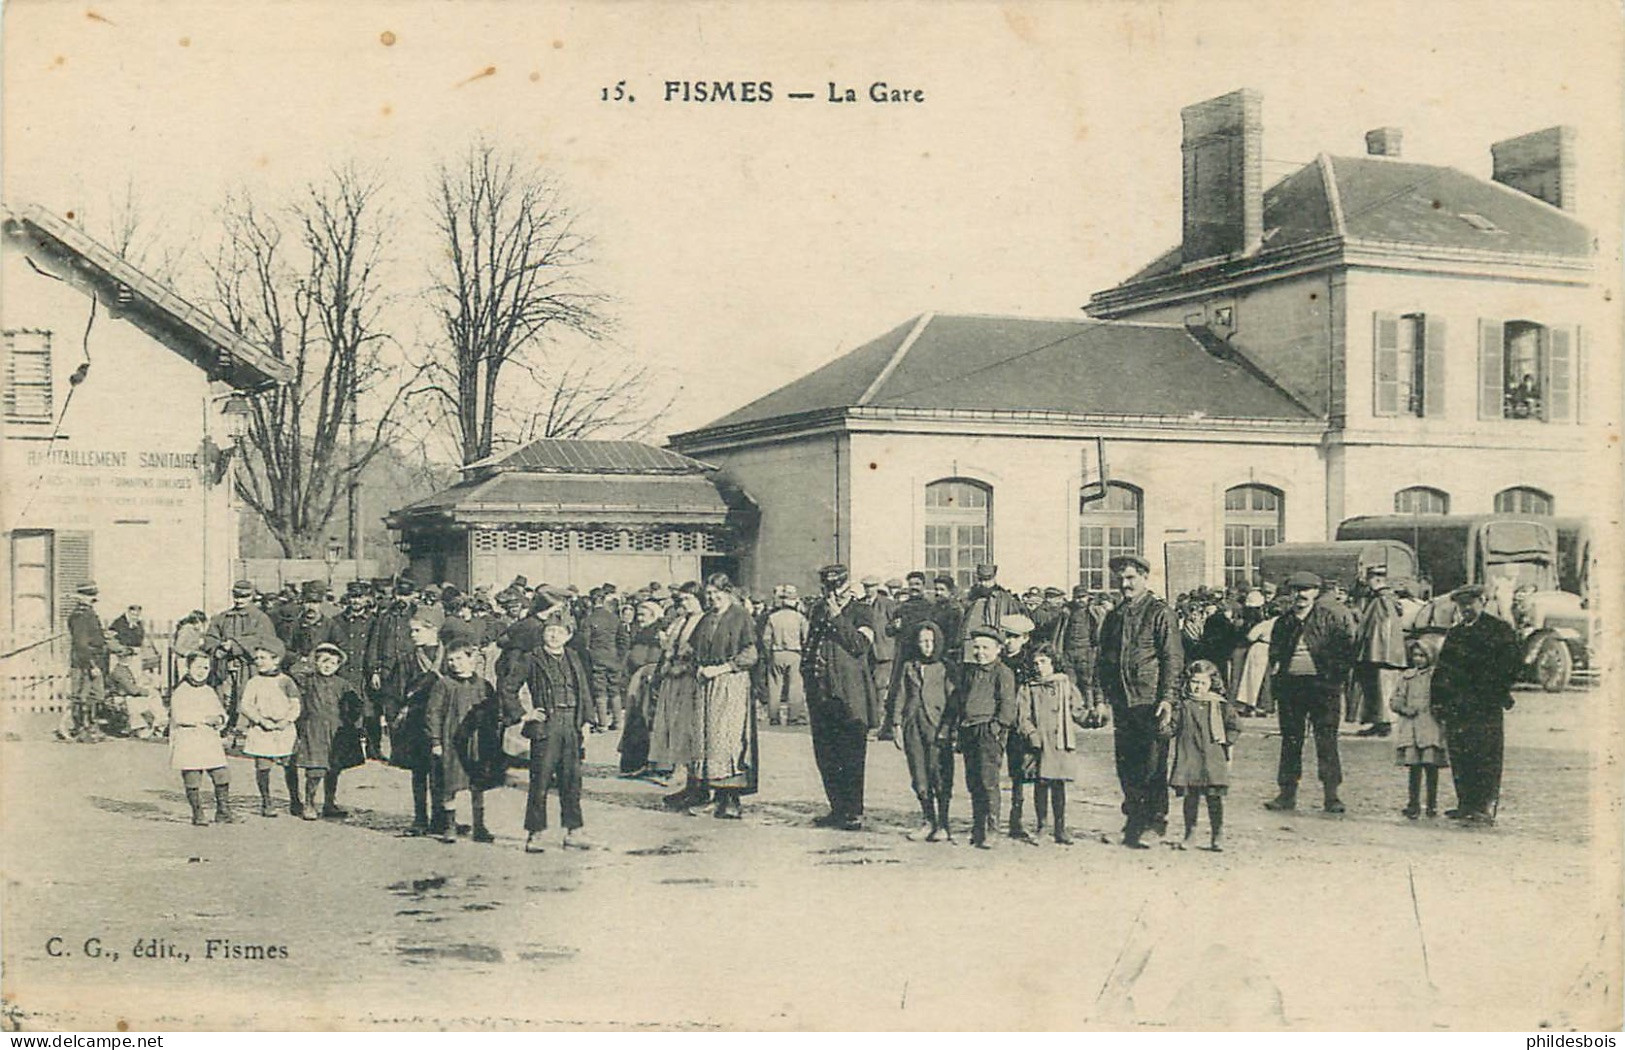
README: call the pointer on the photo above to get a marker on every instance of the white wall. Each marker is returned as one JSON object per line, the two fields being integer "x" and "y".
{"x": 161, "y": 538}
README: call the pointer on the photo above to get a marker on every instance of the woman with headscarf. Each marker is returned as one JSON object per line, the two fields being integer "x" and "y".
{"x": 671, "y": 744}
{"x": 725, "y": 727}
{"x": 639, "y": 673}
{"x": 926, "y": 682}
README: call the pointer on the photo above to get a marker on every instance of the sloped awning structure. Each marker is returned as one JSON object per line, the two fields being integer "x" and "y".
{"x": 577, "y": 501}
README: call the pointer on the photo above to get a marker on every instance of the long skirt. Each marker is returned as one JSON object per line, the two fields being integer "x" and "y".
{"x": 726, "y": 733}
{"x": 671, "y": 737}
{"x": 637, "y": 731}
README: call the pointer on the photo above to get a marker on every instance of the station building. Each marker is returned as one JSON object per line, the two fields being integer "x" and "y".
{"x": 1368, "y": 335}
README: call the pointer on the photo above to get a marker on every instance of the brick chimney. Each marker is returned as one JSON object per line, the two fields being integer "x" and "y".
{"x": 1223, "y": 147}
{"x": 1540, "y": 164}
{"x": 1384, "y": 142}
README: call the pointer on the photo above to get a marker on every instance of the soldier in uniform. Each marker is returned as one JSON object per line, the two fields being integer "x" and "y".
{"x": 841, "y": 697}
{"x": 312, "y": 628}
{"x": 230, "y": 639}
{"x": 88, "y": 666}
{"x": 349, "y": 632}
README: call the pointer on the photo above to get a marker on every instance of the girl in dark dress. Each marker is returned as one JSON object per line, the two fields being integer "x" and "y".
{"x": 464, "y": 733}
{"x": 642, "y": 659}
{"x": 329, "y": 729}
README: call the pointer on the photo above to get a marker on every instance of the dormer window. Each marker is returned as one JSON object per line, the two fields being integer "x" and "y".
{"x": 1478, "y": 222}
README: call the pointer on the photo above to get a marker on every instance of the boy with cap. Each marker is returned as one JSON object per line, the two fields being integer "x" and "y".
{"x": 1017, "y": 655}
{"x": 982, "y": 713}
{"x": 552, "y": 708}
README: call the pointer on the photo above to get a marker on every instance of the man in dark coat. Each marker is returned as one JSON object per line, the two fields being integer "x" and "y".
{"x": 1075, "y": 634}
{"x": 1139, "y": 666}
{"x": 391, "y": 660}
{"x": 1379, "y": 654}
{"x": 600, "y": 631}
{"x": 903, "y": 629}
{"x": 949, "y": 612}
{"x": 87, "y": 668}
{"x": 128, "y": 628}
{"x": 230, "y": 639}
{"x": 1472, "y": 689}
{"x": 989, "y": 604}
{"x": 841, "y": 699}
{"x": 1311, "y": 652}
{"x": 880, "y": 609}
{"x": 349, "y": 631}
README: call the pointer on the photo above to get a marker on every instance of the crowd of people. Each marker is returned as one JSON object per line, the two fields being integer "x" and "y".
{"x": 455, "y": 688}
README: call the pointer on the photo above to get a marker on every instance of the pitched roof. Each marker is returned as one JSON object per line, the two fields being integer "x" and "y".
{"x": 1016, "y": 364}
{"x": 1386, "y": 200}
{"x": 154, "y": 308}
{"x": 566, "y": 456}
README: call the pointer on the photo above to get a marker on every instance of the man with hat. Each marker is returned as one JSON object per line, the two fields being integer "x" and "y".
{"x": 1472, "y": 690}
{"x": 1049, "y": 610}
{"x": 1379, "y": 653}
{"x": 311, "y": 629}
{"x": 389, "y": 659}
{"x": 880, "y": 608}
{"x": 1139, "y": 666}
{"x": 1075, "y": 633}
{"x": 230, "y": 638}
{"x": 348, "y": 630}
{"x": 841, "y": 698}
{"x": 1311, "y": 650}
{"x": 87, "y": 668}
{"x": 989, "y": 603}
{"x": 785, "y": 634}
{"x": 949, "y": 611}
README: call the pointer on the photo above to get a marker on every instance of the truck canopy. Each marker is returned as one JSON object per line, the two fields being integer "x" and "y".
{"x": 1344, "y": 561}
{"x": 1453, "y": 550}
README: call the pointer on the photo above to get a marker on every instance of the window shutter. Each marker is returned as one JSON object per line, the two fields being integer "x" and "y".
{"x": 1579, "y": 375}
{"x": 73, "y": 567}
{"x": 1433, "y": 368}
{"x": 1385, "y": 342}
{"x": 1491, "y": 371}
{"x": 1559, "y": 375}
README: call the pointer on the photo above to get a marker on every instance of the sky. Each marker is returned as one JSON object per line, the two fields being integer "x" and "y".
{"x": 746, "y": 244}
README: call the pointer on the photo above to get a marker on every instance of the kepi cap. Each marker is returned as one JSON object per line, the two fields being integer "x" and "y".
{"x": 986, "y": 571}
{"x": 1301, "y": 580}
{"x": 242, "y": 589}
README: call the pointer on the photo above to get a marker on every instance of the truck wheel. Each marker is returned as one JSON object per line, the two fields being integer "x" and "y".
{"x": 1553, "y": 666}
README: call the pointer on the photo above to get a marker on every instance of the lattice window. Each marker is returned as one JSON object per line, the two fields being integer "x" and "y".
{"x": 527, "y": 540}
{"x": 600, "y": 542}
{"x": 648, "y": 542}
{"x": 485, "y": 540}
{"x": 688, "y": 542}
{"x": 715, "y": 544}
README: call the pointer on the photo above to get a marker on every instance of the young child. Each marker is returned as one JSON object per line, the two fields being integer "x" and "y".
{"x": 269, "y": 708}
{"x": 926, "y": 683}
{"x": 1203, "y": 729}
{"x": 1046, "y": 710}
{"x": 1417, "y": 734}
{"x": 982, "y": 711}
{"x": 195, "y": 722}
{"x": 328, "y": 732}
{"x": 1017, "y": 655}
{"x": 550, "y": 696}
{"x": 465, "y": 738}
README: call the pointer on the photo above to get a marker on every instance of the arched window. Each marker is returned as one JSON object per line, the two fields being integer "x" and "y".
{"x": 1107, "y": 528}
{"x": 1521, "y": 499}
{"x": 958, "y": 528}
{"x": 1254, "y": 518}
{"x": 1419, "y": 499}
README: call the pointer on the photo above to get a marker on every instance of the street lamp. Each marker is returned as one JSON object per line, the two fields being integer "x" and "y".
{"x": 331, "y": 557}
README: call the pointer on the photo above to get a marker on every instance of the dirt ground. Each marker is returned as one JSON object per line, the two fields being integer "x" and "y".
{"x": 1364, "y": 921}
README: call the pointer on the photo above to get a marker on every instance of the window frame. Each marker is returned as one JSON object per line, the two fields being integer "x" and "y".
{"x": 1523, "y": 493}
{"x": 1251, "y": 518}
{"x": 1102, "y": 518}
{"x": 1422, "y": 490}
{"x": 953, "y": 518}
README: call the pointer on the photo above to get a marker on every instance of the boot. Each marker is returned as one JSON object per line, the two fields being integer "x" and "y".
{"x": 222, "y": 804}
{"x": 927, "y": 830}
{"x": 309, "y": 811}
{"x": 291, "y": 776}
{"x": 1040, "y": 808}
{"x": 330, "y": 789}
{"x": 1413, "y": 808}
{"x": 1215, "y": 819}
{"x": 195, "y": 797}
{"x": 262, "y": 780}
{"x": 1333, "y": 804}
{"x": 1016, "y": 830}
{"x": 1286, "y": 800}
{"x": 1058, "y": 805}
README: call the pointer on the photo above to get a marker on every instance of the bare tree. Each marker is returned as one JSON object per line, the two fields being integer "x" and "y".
{"x": 584, "y": 395}
{"x": 303, "y": 281}
{"x": 507, "y": 282}
{"x": 153, "y": 248}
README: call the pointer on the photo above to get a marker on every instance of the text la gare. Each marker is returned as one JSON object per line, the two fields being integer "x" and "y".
{"x": 879, "y": 91}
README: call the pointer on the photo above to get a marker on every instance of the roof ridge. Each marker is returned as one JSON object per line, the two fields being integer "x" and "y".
{"x": 885, "y": 373}
{"x": 1334, "y": 194}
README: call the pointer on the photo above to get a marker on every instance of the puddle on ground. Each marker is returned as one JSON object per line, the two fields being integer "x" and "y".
{"x": 851, "y": 848}
{"x": 546, "y": 954}
{"x": 860, "y": 860}
{"x": 481, "y": 906}
{"x": 476, "y": 953}
{"x": 667, "y": 849}
{"x": 704, "y": 882}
